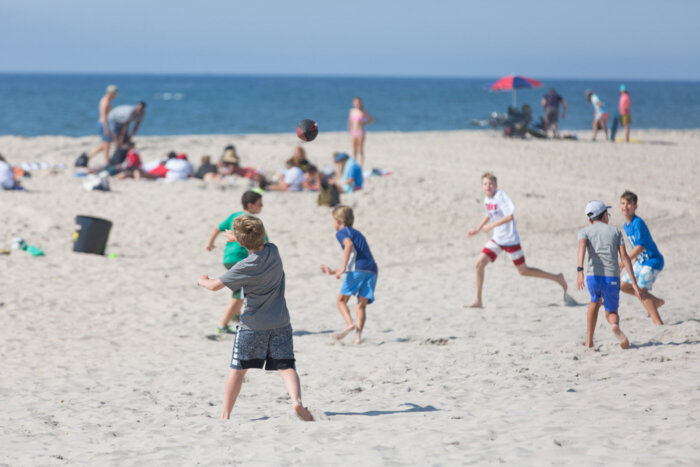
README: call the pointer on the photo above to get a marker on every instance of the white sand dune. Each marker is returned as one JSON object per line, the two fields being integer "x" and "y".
{"x": 106, "y": 360}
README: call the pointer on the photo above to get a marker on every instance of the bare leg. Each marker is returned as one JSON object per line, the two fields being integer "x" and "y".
{"x": 345, "y": 312}
{"x": 554, "y": 129}
{"x": 103, "y": 146}
{"x": 595, "y": 128}
{"x": 291, "y": 382}
{"x": 233, "y": 308}
{"x": 614, "y": 321}
{"x": 627, "y": 132}
{"x": 361, "y": 144}
{"x": 651, "y": 302}
{"x": 546, "y": 127}
{"x": 605, "y": 128}
{"x": 361, "y": 312}
{"x": 355, "y": 147}
{"x": 481, "y": 262}
{"x": 591, "y": 319}
{"x": 233, "y": 388}
{"x": 526, "y": 270}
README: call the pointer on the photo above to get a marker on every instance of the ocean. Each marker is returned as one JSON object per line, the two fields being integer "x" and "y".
{"x": 66, "y": 104}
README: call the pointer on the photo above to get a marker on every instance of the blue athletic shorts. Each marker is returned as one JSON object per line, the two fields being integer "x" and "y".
{"x": 607, "y": 288}
{"x": 101, "y": 132}
{"x": 360, "y": 283}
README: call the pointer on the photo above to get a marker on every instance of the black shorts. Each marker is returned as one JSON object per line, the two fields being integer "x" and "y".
{"x": 272, "y": 348}
{"x": 551, "y": 114}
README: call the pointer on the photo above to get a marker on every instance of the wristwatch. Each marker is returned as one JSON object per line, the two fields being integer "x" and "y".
{"x": 579, "y": 269}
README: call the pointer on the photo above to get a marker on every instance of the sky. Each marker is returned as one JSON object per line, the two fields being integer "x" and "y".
{"x": 442, "y": 38}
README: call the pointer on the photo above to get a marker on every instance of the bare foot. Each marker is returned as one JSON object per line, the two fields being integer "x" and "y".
{"x": 659, "y": 302}
{"x": 358, "y": 337}
{"x": 624, "y": 342}
{"x": 303, "y": 414}
{"x": 341, "y": 335}
{"x": 475, "y": 304}
{"x": 562, "y": 281}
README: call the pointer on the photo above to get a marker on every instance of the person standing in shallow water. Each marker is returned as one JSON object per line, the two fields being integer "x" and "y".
{"x": 358, "y": 118}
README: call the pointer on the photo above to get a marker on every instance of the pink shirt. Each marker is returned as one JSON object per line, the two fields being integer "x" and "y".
{"x": 625, "y": 103}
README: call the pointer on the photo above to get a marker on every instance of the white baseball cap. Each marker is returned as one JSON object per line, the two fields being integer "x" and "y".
{"x": 595, "y": 208}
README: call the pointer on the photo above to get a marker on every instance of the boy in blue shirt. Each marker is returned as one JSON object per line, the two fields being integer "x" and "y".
{"x": 359, "y": 268}
{"x": 604, "y": 243}
{"x": 649, "y": 262}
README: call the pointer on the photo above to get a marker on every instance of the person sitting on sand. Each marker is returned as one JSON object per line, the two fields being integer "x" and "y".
{"x": 499, "y": 218}
{"x": 298, "y": 159}
{"x": 230, "y": 165}
{"x": 312, "y": 179}
{"x": 178, "y": 168}
{"x": 603, "y": 243}
{"x": 207, "y": 171}
{"x": 264, "y": 336}
{"x": 349, "y": 175}
{"x": 292, "y": 179}
{"x": 359, "y": 268}
{"x": 7, "y": 176}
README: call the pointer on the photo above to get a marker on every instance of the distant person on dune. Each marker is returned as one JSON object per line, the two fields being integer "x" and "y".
{"x": 358, "y": 118}
{"x": 600, "y": 114}
{"x": 102, "y": 124}
{"x": 550, "y": 105}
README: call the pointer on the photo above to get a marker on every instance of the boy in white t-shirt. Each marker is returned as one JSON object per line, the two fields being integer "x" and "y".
{"x": 499, "y": 218}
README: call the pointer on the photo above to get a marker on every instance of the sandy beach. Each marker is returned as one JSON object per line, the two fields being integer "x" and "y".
{"x": 107, "y": 360}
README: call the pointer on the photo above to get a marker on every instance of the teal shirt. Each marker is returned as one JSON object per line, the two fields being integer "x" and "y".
{"x": 233, "y": 252}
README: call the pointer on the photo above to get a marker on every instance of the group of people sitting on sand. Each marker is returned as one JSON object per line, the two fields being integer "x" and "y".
{"x": 298, "y": 175}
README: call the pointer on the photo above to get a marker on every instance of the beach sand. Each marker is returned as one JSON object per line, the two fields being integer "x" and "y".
{"x": 106, "y": 361}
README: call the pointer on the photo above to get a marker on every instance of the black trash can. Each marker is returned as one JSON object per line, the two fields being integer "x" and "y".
{"x": 91, "y": 235}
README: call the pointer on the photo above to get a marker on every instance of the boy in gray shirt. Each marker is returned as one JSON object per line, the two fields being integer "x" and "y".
{"x": 603, "y": 243}
{"x": 264, "y": 336}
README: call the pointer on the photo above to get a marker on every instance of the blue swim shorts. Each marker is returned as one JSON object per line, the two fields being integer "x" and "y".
{"x": 645, "y": 275}
{"x": 101, "y": 132}
{"x": 607, "y": 288}
{"x": 360, "y": 283}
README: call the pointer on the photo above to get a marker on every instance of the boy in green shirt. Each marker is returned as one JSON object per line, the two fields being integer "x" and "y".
{"x": 233, "y": 253}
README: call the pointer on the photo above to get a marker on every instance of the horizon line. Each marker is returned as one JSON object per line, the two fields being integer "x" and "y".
{"x": 334, "y": 75}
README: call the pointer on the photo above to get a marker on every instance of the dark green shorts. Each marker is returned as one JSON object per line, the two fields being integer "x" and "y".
{"x": 236, "y": 293}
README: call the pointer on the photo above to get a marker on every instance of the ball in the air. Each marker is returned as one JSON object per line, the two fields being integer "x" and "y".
{"x": 307, "y": 130}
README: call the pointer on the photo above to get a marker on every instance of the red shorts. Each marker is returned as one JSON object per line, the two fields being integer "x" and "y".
{"x": 515, "y": 253}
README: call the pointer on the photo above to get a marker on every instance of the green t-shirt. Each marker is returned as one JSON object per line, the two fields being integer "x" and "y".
{"x": 233, "y": 252}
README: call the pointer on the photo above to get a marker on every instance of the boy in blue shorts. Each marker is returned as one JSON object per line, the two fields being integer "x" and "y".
{"x": 359, "y": 268}
{"x": 603, "y": 243}
{"x": 264, "y": 335}
{"x": 649, "y": 261}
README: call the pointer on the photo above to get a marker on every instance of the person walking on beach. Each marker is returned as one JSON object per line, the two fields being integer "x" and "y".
{"x": 499, "y": 218}
{"x": 104, "y": 131}
{"x": 624, "y": 110}
{"x": 121, "y": 119}
{"x": 233, "y": 253}
{"x": 264, "y": 336}
{"x": 359, "y": 268}
{"x": 649, "y": 261}
{"x": 603, "y": 243}
{"x": 358, "y": 118}
{"x": 550, "y": 105}
{"x": 600, "y": 114}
